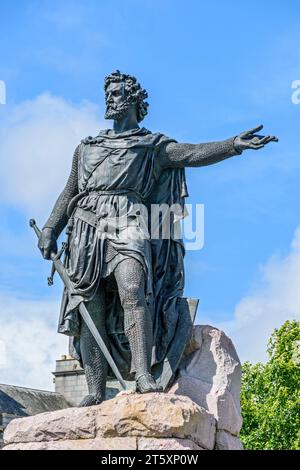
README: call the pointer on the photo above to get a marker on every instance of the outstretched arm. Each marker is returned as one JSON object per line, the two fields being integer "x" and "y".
{"x": 58, "y": 218}
{"x": 176, "y": 155}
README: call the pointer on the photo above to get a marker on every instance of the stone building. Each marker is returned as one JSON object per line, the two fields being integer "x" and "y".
{"x": 17, "y": 402}
{"x": 70, "y": 381}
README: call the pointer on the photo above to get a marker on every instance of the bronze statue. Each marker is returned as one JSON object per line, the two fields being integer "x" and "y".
{"x": 132, "y": 285}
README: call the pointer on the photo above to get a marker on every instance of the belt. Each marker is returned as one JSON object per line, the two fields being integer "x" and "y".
{"x": 104, "y": 224}
{"x": 113, "y": 192}
{"x": 87, "y": 216}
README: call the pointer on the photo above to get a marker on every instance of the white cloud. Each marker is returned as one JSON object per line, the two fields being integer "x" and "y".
{"x": 37, "y": 141}
{"x": 2, "y": 92}
{"x": 29, "y": 342}
{"x": 275, "y": 299}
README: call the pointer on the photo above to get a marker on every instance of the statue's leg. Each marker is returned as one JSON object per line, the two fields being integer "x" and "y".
{"x": 94, "y": 363}
{"x": 130, "y": 279}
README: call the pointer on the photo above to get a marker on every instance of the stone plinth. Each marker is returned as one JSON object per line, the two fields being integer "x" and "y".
{"x": 128, "y": 421}
{"x": 200, "y": 411}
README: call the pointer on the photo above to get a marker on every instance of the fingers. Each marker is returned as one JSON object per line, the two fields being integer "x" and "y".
{"x": 40, "y": 244}
{"x": 252, "y": 131}
{"x": 46, "y": 253}
{"x": 47, "y": 247}
{"x": 256, "y": 129}
{"x": 263, "y": 140}
{"x": 256, "y": 146}
{"x": 268, "y": 138}
{"x": 259, "y": 144}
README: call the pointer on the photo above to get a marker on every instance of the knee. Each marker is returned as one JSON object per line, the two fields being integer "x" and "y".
{"x": 132, "y": 296}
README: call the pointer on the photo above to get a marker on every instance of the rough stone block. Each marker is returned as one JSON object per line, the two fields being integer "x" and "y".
{"x": 151, "y": 443}
{"x": 225, "y": 441}
{"x": 71, "y": 423}
{"x": 156, "y": 415}
{"x": 116, "y": 443}
{"x": 210, "y": 374}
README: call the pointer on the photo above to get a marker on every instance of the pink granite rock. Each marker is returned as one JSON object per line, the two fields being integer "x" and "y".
{"x": 68, "y": 424}
{"x": 225, "y": 441}
{"x": 116, "y": 443}
{"x": 156, "y": 415}
{"x": 210, "y": 374}
{"x": 151, "y": 443}
{"x": 128, "y": 415}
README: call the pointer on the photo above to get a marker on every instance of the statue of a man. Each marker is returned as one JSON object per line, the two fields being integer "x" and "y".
{"x": 130, "y": 284}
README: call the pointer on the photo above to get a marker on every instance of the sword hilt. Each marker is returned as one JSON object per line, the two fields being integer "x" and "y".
{"x": 38, "y": 232}
{"x": 57, "y": 256}
{"x": 33, "y": 225}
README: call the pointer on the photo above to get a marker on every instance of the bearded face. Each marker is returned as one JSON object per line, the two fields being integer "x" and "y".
{"x": 117, "y": 101}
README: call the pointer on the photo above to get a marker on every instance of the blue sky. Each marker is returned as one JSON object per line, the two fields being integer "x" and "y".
{"x": 212, "y": 70}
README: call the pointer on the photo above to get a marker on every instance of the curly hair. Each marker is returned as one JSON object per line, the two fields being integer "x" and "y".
{"x": 135, "y": 93}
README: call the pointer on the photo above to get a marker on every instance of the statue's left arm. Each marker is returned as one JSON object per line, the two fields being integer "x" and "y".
{"x": 178, "y": 155}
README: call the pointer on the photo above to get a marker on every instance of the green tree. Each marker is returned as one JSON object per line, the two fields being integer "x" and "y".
{"x": 270, "y": 395}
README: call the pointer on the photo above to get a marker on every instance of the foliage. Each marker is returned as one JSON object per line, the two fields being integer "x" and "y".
{"x": 270, "y": 395}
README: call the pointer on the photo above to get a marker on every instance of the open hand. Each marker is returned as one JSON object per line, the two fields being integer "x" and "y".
{"x": 251, "y": 140}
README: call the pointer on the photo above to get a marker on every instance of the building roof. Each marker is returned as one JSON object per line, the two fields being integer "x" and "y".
{"x": 22, "y": 401}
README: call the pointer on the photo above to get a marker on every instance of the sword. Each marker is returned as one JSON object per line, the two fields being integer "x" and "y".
{"x": 59, "y": 267}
